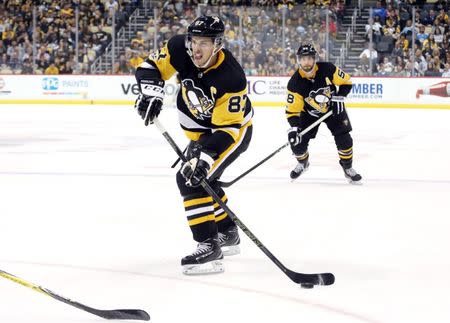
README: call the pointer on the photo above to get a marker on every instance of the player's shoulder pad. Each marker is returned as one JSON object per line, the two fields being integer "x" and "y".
{"x": 176, "y": 45}
{"x": 294, "y": 81}
{"x": 231, "y": 70}
{"x": 326, "y": 67}
{"x": 177, "y": 50}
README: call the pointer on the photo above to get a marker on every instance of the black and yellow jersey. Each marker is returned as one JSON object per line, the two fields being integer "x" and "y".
{"x": 312, "y": 94}
{"x": 211, "y": 101}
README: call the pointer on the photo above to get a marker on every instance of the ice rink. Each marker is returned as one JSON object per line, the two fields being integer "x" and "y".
{"x": 89, "y": 208}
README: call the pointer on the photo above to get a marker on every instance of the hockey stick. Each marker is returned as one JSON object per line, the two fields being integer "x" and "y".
{"x": 306, "y": 280}
{"x": 178, "y": 159}
{"x": 318, "y": 121}
{"x": 107, "y": 314}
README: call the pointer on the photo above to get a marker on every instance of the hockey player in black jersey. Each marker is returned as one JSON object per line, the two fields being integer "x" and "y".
{"x": 216, "y": 115}
{"x": 315, "y": 88}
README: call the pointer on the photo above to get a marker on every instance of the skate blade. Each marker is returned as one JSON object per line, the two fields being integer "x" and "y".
{"x": 354, "y": 182}
{"x": 304, "y": 171}
{"x": 231, "y": 250}
{"x": 212, "y": 267}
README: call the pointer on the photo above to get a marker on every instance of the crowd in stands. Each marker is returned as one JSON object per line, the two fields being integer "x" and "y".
{"x": 393, "y": 51}
{"x": 55, "y": 34}
{"x": 260, "y": 49}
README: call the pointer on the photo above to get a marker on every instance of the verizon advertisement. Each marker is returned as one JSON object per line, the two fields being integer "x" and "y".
{"x": 368, "y": 92}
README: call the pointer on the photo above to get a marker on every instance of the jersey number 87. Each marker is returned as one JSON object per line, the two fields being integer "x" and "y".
{"x": 234, "y": 103}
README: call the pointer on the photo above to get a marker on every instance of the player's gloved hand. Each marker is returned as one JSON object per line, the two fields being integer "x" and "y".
{"x": 337, "y": 104}
{"x": 196, "y": 169}
{"x": 294, "y": 136}
{"x": 149, "y": 102}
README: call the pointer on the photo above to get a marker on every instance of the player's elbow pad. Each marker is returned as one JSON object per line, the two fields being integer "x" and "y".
{"x": 144, "y": 73}
{"x": 344, "y": 89}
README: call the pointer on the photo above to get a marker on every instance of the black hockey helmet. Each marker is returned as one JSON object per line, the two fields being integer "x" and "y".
{"x": 306, "y": 49}
{"x": 206, "y": 26}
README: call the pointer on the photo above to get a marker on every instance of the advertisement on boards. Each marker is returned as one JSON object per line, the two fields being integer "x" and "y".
{"x": 269, "y": 91}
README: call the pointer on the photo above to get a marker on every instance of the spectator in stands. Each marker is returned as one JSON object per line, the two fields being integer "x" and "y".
{"x": 399, "y": 70}
{"x": 3, "y": 60}
{"x": 361, "y": 70}
{"x": 135, "y": 60}
{"x": 391, "y": 28}
{"x": 3, "y": 48}
{"x": 442, "y": 18}
{"x": 8, "y": 36}
{"x": 51, "y": 70}
{"x": 429, "y": 44}
{"x": 380, "y": 11}
{"x": 421, "y": 62}
{"x": 111, "y": 5}
{"x": 446, "y": 72}
{"x": 67, "y": 67}
{"x": 404, "y": 43}
{"x": 137, "y": 41}
{"x": 446, "y": 50}
{"x": 408, "y": 29}
{"x": 124, "y": 66}
{"x": 388, "y": 67}
{"x": 373, "y": 26}
{"x": 26, "y": 67}
{"x": 369, "y": 53}
{"x": 432, "y": 70}
{"x": 421, "y": 35}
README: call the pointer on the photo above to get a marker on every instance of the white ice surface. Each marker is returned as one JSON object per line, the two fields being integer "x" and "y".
{"x": 89, "y": 208}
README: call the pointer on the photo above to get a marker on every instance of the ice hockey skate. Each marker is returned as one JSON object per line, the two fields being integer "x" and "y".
{"x": 229, "y": 241}
{"x": 207, "y": 259}
{"x": 299, "y": 169}
{"x": 352, "y": 176}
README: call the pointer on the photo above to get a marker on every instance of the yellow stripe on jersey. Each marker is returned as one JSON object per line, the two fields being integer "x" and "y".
{"x": 229, "y": 110}
{"x": 345, "y": 150}
{"x": 345, "y": 157}
{"x": 203, "y": 219}
{"x": 224, "y": 199}
{"x": 294, "y": 104}
{"x": 341, "y": 78}
{"x": 161, "y": 59}
{"x": 220, "y": 59}
{"x": 198, "y": 201}
{"x": 192, "y": 135}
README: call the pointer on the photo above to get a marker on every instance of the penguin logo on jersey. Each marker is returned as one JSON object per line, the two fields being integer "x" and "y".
{"x": 319, "y": 100}
{"x": 196, "y": 100}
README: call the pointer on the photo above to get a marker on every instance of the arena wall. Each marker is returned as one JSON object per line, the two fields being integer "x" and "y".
{"x": 367, "y": 92}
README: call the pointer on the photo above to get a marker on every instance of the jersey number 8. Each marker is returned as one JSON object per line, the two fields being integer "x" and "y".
{"x": 290, "y": 98}
{"x": 234, "y": 104}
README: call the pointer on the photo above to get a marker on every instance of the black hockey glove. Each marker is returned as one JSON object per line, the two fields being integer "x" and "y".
{"x": 196, "y": 169}
{"x": 294, "y": 136}
{"x": 337, "y": 104}
{"x": 149, "y": 102}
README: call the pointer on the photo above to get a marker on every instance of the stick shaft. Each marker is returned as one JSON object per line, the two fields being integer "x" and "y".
{"x": 317, "y": 122}
{"x": 124, "y": 314}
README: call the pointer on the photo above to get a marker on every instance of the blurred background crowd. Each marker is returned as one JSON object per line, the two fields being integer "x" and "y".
{"x": 382, "y": 38}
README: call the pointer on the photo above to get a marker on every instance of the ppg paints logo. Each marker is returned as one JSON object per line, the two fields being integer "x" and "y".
{"x": 50, "y": 83}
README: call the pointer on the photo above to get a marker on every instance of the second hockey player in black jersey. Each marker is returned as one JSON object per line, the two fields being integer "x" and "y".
{"x": 216, "y": 115}
{"x": 315, "y": 88}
